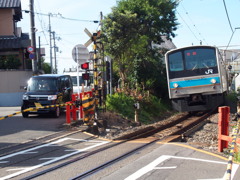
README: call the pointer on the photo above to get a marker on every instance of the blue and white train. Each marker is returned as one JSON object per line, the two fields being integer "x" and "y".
{"x": 197, "y": 78}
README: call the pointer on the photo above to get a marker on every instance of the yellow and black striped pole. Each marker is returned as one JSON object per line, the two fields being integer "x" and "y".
{"x": 95, "y": 71}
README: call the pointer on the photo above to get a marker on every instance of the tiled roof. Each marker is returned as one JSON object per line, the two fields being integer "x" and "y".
{"x": 166, "y": 44}
{"x": 10, "y": 3}
{"x": 14, "y": 4}
{"x": 8, "y": 42}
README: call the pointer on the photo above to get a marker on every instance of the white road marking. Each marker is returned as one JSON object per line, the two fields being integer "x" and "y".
{"x": 3, "y": 162}
{"x": 27, "y": 169}
{"x": 15, "y": 169}
{"x": 147, "y": 168}
{"x": 173, "y": 167}
{"x": 48, "y": 158}
{"x": 151, "y": 166}
{"x": 70, "y": 150}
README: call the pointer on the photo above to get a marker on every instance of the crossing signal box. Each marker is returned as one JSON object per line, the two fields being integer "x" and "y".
{"x": 85, "y": 66}
{"x": 108, "y": 70}
{"x": 85, "y": 76}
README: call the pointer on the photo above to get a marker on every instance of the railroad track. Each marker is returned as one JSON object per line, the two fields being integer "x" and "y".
{"x": 168, "y": 131}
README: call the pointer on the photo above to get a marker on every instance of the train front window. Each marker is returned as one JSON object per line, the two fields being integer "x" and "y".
{"x": 200, "y": 58}
{"x": 176, "y": 61}
{"x": 192, "y": 62}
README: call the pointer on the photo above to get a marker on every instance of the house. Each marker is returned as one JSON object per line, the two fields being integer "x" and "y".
{"x": 13, "y": 42}
{"x": 13, "y": 63}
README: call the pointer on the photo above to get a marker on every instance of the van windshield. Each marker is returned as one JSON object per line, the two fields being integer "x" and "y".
{"x": 42, "y": 85}
{"x": 74, "y": 80}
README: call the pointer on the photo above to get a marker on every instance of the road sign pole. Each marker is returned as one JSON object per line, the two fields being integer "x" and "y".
{"x": 78, "y": 85}
{"x": 95, "y": 73}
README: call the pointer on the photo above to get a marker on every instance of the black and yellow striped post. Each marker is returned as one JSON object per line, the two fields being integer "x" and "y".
{"x": 88, "y": 104}
{"x": 95, "y": 73}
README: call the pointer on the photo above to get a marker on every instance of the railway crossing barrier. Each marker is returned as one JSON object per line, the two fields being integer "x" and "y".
{"x": 83, "y": 104}
{"x": 36, "y": 108}
{"x": 84, "y": 107}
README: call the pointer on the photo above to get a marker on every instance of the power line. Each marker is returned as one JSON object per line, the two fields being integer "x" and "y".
{"x": 41, "y": 23}
{"x": 193, "y": 24}
{"x": 72, "y": 19}
{"x": 231, "y": 37}
{"x": 59, "y": 16}
{"x": 188, "y": 26}
{"x": 228, "y": 16}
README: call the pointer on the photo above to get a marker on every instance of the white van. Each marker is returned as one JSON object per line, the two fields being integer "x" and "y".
{"x": 88, "y": 84}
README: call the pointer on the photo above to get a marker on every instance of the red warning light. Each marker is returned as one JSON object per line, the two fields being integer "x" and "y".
{"x": 85, "y": 66}
{"x": 188, "y": 54}
{"x": 194, "y": 53}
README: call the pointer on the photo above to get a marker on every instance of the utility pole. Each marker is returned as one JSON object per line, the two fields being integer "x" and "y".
{"x": 55, "y": 58}
{"x": 33, "y": 38}
{"x": 39, "y": 54}
{"x": 50, "y": 42}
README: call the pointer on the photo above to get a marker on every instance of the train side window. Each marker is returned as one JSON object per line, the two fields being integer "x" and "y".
{"x": 175, "y": 61}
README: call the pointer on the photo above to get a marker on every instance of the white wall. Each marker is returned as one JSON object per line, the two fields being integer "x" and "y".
{"x": 12, "y": 87}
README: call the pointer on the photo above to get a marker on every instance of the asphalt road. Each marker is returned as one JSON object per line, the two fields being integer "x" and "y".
{"x": 17, "y": 129}
{"x": 160, "y": 161}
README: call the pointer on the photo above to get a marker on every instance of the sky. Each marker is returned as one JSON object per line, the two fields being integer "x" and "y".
{"x": 198, "y": 20}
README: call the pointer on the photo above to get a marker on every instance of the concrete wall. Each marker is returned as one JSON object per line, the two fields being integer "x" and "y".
{"x": 12, "y": 87}
{"x": 6, "y": 22}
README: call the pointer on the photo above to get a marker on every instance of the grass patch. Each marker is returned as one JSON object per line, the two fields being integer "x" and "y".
{"x": 151, "y": 108}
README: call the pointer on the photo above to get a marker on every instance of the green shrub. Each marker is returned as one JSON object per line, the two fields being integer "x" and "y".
{"x": 9, "y": 62}
{"x": 151, "y": 108}
{"x": 232, "y": 96}
{"x": 121, "y": 103}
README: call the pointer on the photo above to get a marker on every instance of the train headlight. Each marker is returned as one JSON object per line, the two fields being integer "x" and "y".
{"x": 175, "y": 85}
{"x": 213, "y": 81}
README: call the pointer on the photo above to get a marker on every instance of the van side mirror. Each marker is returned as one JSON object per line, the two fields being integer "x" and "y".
{"x": 65, "y": 89}
{"x": 25, "y": 87}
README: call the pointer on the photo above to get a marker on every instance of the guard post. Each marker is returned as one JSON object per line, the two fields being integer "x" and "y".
{"x": 223, "y": 127}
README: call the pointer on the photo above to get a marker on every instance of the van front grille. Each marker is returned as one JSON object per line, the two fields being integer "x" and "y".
{"x": 38, "y": 98}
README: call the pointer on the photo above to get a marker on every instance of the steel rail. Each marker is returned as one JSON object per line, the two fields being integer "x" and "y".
{"x": 94, "y": 170}
{"x": 117, "y": 159}
{"x": 151, "y": 132}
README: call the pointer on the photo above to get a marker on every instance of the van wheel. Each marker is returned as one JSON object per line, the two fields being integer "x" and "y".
{"x": 25, "y": 114}
{"x": 57, "y": 112}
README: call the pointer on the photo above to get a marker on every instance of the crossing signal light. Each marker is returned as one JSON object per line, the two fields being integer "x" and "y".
{"x": 85, "y": 66}
{"x": 108, "y": 70}
{"x": 85, "y": 76}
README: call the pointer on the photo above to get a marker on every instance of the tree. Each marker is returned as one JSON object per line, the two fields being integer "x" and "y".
{"x": 45, "y": 66}
{"x": 9, "y": 62}
{"x": 128, "y": 34}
